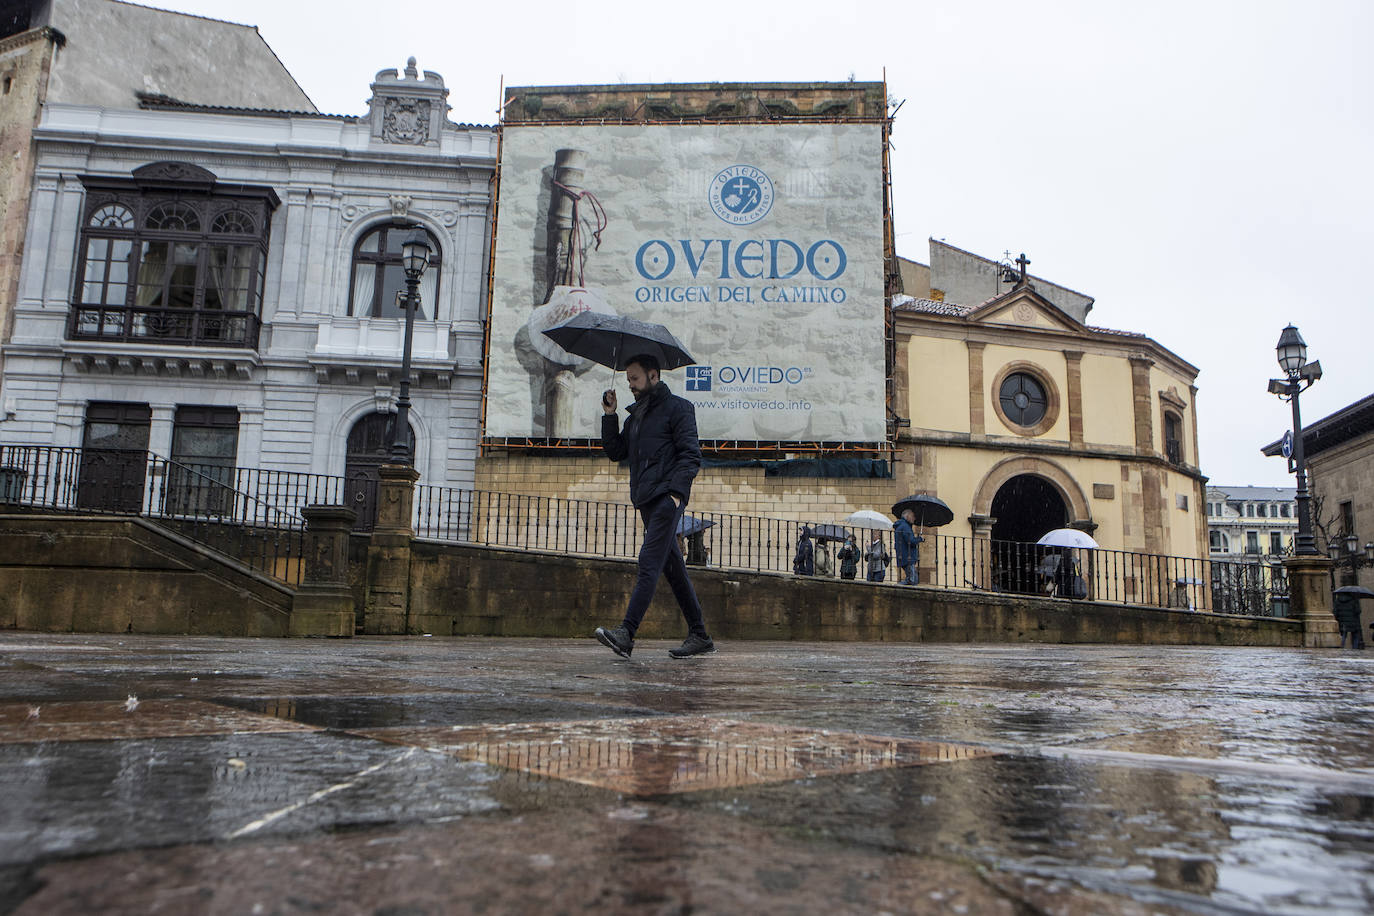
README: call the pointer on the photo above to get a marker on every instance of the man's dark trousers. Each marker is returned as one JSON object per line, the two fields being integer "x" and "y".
{"x": 659, "y": 555}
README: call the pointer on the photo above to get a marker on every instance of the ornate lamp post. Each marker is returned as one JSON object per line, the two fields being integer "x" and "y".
{"x": 415, "y": 253}
{"x": 1299, "y": 376}
{"x": 1354, "y": 556}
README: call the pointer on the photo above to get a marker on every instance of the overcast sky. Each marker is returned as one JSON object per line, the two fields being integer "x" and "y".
{"x": 1202, "y": 168}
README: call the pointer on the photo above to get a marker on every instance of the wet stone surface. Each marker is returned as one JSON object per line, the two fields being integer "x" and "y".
{"x": 162, "y": 775}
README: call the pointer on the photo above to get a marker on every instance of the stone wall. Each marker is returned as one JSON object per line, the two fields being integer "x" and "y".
{"x": 480, "y": 591}
{"x": 126, "y": 575}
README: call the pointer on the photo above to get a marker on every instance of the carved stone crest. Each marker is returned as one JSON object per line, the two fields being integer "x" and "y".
{"x": 406, "y": 121}
{"x": 400, "y": 204}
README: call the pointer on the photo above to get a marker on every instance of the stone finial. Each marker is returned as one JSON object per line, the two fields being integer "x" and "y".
{"x": 411, "y": 72}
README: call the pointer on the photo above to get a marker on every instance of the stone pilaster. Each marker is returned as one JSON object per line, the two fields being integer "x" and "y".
{"x": 324, "y": 604}
{"x": 1073, "y": 364}
{"x": 388, "y": 556}
{"x": 1140, "y": 400}
{"x": 976, "y": 419}
{"x": 982, "y": 549}
{"x": 1309, "y": 597}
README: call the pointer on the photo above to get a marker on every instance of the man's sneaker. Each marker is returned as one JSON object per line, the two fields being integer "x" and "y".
{"x": 693, "y": 645}
{"x": 617, "y": 639}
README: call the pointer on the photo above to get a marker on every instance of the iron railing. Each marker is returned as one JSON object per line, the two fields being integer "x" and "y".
{"x": 758, "y": 544}
{"x": 255, "y": 514}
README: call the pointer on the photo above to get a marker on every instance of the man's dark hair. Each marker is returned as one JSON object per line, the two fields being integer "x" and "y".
{"x": 644, "y": 361}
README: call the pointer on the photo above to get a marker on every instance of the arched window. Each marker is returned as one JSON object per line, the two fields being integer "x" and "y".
{"x": 378, "y": 275}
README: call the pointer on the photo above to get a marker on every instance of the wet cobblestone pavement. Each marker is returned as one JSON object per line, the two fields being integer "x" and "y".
{"x": 427, "y": 776}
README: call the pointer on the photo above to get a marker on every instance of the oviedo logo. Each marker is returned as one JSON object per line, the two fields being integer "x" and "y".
{"x": 740, "y": 195}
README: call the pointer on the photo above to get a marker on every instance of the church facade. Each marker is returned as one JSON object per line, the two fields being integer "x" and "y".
{"x": 1024, "y": 419}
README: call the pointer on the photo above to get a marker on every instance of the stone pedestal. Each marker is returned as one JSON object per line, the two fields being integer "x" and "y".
{"x": 388, "y": 556}
{"x": 324, "y": 605}
{"x": 1309, "y": 594}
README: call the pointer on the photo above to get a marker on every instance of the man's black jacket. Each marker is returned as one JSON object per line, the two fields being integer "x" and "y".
{"x": 660, "y": 443}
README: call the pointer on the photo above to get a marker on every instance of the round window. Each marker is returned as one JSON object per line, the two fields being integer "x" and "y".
{"x": 1023, "y": 399}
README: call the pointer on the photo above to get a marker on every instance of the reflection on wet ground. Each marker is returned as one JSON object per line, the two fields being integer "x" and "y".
{"x": 661, "y": 756}
{"x": 423, "y": 776}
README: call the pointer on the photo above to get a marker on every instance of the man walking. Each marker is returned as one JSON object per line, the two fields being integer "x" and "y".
{"x": 660, "y": 442}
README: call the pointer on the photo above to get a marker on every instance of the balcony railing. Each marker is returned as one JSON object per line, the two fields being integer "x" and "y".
{"x": 186, "y": 327}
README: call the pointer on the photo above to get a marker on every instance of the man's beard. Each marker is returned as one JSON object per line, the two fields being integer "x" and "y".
{"x": 641, "y": 393}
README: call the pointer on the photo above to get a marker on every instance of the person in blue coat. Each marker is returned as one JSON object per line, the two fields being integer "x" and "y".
{"x": 659, "y": 442}
{"x": 908, "y": 551}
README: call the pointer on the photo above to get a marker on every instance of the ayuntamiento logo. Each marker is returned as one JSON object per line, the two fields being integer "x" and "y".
{"x": 698, "y": 378}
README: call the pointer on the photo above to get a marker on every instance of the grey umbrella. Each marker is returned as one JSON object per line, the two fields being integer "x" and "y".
{"x": 611, "y": 340}
{"x": 1359, "y": 591}
{"x": 690, "y": 524}
{"x": 828, "y": 533}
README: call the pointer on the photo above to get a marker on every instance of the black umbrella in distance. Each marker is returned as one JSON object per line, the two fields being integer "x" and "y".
{"x": 931, "y": 511}
{"x": 611, "y": 340}
{"x": 1359, "y": 591}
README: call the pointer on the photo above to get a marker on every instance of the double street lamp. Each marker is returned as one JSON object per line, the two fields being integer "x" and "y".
{"x": 415, "y": 252}
{"x": 1299, "y": 376}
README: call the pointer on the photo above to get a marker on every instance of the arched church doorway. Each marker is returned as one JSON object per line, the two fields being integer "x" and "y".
{"x": 1026, "y": 507}
{"x": 367, "y": 450}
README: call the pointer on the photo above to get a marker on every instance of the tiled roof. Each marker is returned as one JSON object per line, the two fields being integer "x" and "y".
{"x": 1098, "y": 330}
{"x": 933, "y": 307}
{"x": 1276, "y": 494}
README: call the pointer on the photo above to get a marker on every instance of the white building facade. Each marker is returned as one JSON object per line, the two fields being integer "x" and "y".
{"x": 1251, "y": 523}
{"x": 221, "y": 284}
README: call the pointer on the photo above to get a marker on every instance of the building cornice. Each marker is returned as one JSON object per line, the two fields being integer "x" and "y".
{"x": 1064, "y": 449}
{"x": 914, "y": 324}
{"x": 33, "y": 36}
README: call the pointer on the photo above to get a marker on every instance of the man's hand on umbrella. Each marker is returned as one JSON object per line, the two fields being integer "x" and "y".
{"x": 608, "y": 401}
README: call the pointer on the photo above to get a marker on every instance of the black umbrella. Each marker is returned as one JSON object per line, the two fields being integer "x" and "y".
{"x": 931, "y": 512}
{"x": 611, "y": 340}
{"x": 828, "y": 533}
{"x": 690, "y": 524}
{"x": 1359, "y": 591}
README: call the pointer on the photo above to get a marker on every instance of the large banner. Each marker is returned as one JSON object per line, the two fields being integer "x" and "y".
{"x": 759, "y": 246}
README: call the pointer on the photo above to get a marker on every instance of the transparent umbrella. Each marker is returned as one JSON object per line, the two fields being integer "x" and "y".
{"x": 1067, "y": 537}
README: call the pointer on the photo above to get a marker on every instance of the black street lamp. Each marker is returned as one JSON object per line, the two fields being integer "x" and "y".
{"x": 1300, "y": 374}
{"x": 1353, "y": 555}
{"x": 415, "y": 253}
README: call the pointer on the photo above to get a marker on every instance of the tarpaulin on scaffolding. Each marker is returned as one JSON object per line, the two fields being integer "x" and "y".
{"x": 810, "y": 467}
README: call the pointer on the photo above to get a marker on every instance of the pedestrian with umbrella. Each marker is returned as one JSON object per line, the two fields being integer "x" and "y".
{"x": 803, "y": 561}
{"x": 848, "y": 555}
{"x": 1346, "y": 607}
{"x": 917, "y": 510}
{"x": 659, "y": 443}
{"x": 908, "y": 548}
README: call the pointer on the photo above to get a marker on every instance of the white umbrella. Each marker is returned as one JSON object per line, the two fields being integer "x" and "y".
{"x": 1067, "y": 537}
{"x": 868, "y": 518}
